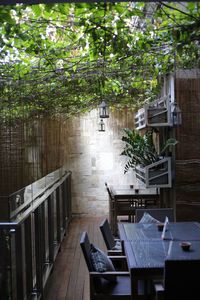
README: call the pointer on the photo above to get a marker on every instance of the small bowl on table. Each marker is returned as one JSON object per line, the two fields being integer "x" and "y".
{"x": 185, "y": 246}
{"x": 160, "y": 226}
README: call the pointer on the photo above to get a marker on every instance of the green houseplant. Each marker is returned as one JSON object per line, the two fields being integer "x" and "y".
{"x": 140, "y": 149}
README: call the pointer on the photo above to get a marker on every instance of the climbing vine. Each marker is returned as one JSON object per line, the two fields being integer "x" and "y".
{"x": 65, "y": 58}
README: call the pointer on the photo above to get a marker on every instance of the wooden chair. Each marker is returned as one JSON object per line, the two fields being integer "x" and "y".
{"x": 181, "y": 280}
{"x": 119, "y": 207}
{"x": 126, "y": 207}
{"x": 157, "y": 213}
{"x": 100, "y": 288}
{"x": 111, "y": 208}
{"x": 113, "y": 245}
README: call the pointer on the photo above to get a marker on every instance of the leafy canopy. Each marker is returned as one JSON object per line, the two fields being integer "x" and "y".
{"x": 63, "y": 59}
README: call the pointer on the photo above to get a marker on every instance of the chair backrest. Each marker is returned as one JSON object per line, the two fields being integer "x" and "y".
{"x": 86, "y": 246}
{"x": 157, "y": 213}
{"x": 181, "y": 279}
{"x": 109, "y": 191}
{"x": 107, "y": 234}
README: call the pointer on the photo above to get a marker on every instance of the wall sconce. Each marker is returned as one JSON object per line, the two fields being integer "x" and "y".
{"x": 175, "y": 114}
{"x": 103, "y": 110}
{"x": 101, "y": 125}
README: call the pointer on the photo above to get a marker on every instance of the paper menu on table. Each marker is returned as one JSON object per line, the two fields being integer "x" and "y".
{"x": 165, "y": 227}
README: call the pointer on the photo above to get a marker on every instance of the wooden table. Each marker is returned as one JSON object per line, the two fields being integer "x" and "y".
{"x": 176, "y": 231}
{"x": 146, "y": 251}
{"x": 125, "y": 192}
{"x": 135, "y": 197}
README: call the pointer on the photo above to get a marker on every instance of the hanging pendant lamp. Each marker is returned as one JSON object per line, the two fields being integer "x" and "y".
{"x": 101, "y": 125}
{"x": 176, "y": 114}
{"x": 103, "y": 110}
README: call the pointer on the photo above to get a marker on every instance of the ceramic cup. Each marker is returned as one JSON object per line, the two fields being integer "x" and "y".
{"x": 160, "y": 226}
{"x": 185, "y": 246}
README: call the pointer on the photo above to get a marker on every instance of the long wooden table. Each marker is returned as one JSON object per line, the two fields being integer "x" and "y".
{"x": 125, "y": 192}
{"x": 146, "y": 251}
{"x": 176, "y": 231}
{"x": 140, "y": 197}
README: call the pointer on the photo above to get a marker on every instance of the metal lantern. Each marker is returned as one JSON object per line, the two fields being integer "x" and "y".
{"x": 175, "y": 114}
{"x": 101, "y": 125}
{"x": 103, "y": 110}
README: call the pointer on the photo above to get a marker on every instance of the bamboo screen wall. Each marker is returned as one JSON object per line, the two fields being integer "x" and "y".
{"x": 31, "y": 146}
{"x": 188, "y": 149}
{"x": 30, "y": 150}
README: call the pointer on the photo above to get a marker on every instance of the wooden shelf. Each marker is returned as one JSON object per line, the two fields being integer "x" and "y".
{"x": 156, "y": 175}
{"x": 158, "y": 113}
{"x": 155, "y": 114}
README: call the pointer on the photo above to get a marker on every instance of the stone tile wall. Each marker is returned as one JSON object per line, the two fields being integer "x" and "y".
{"x": 94, "y": 158}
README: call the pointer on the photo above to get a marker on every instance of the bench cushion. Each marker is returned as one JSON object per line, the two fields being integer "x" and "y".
{"x": 101, "y": 262}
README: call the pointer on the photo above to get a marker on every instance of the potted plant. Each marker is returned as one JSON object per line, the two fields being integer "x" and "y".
{"x": 140, "y": 149}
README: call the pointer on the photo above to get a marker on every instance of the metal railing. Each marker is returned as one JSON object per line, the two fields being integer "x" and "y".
{"x": 30, "y": 240}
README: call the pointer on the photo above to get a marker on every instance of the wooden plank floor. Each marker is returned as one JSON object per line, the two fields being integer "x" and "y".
{"x": 69, "y": 279}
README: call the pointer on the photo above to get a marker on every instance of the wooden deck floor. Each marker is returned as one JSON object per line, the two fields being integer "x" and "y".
{"x": 69, "y": 279}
